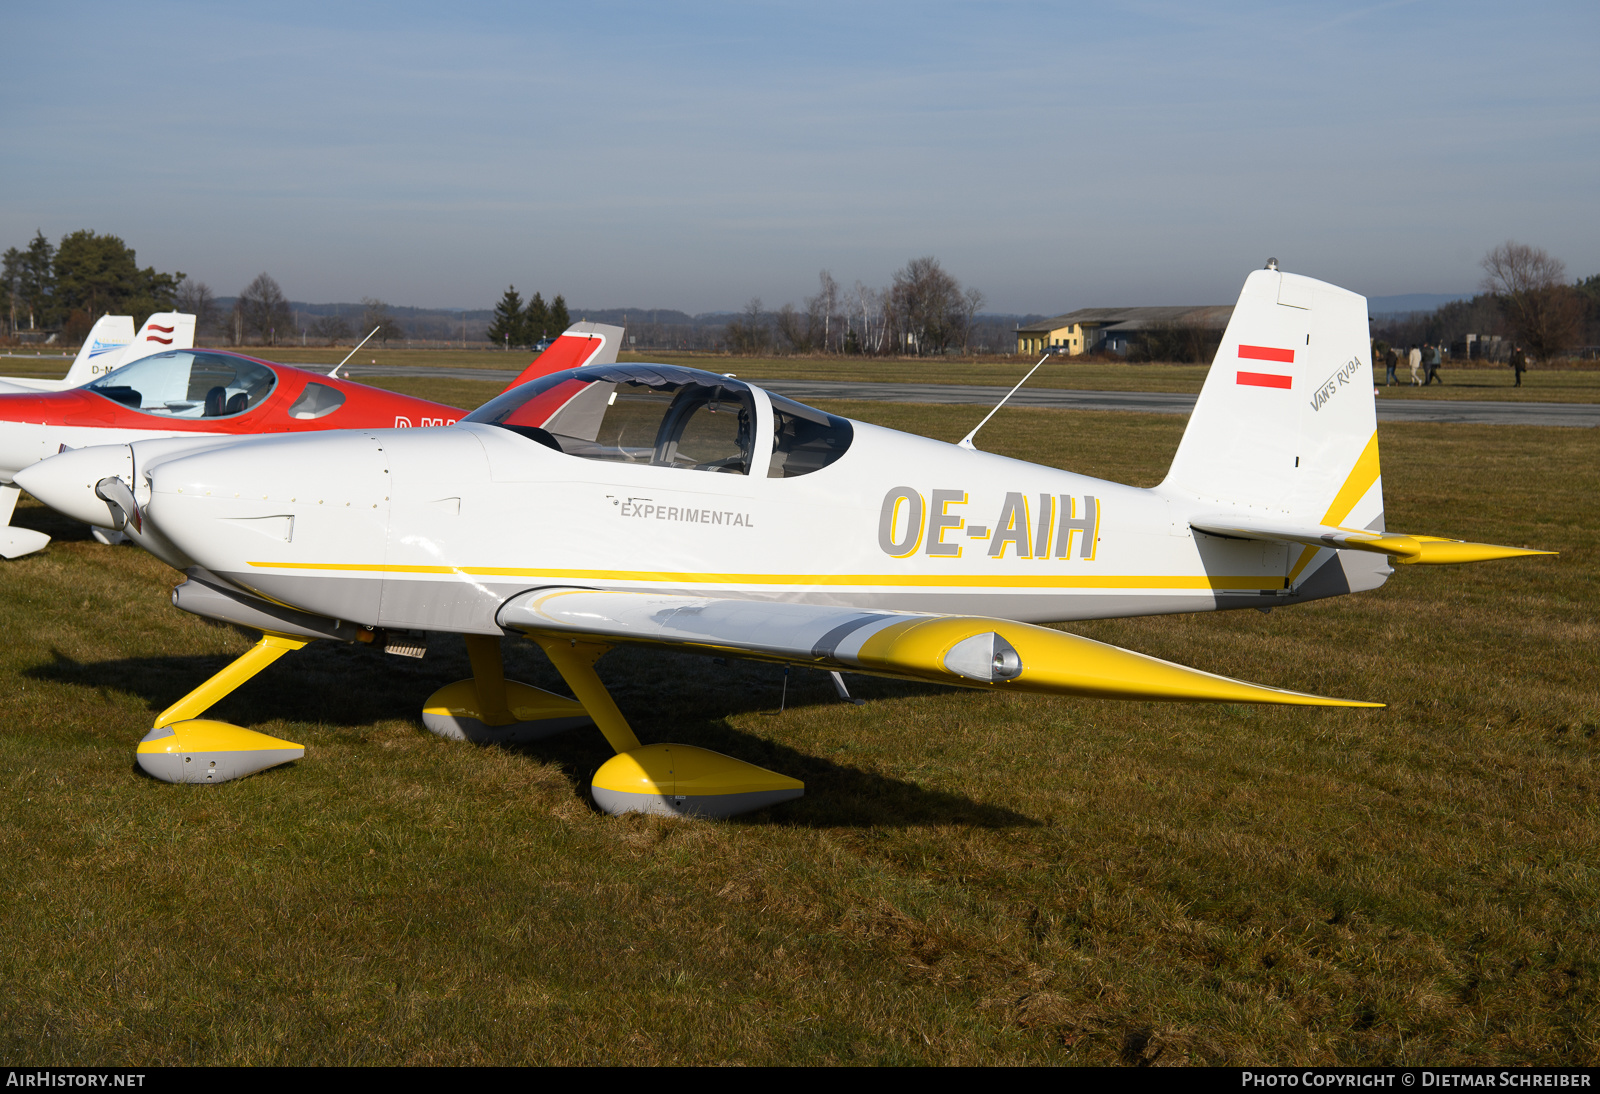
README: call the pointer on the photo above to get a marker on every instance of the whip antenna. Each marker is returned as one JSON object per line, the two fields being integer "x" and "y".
{"x": 335, "y": 371}
{"x": 966, "y": 442}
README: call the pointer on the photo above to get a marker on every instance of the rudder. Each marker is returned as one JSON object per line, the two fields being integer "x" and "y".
{"x": 1286, "y": 424}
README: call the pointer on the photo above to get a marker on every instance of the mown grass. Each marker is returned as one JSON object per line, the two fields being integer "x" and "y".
{"x": 1562, "y": 385}
{"x": 971, "y": 878}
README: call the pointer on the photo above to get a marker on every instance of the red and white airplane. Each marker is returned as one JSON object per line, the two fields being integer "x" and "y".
{"x": 111, "y": 344}
{"x": 201, "y": 394}
{"x": 654, "y": 505}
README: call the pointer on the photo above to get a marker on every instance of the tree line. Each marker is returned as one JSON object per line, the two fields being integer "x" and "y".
{"x": 67, "y": 286}
{"x": 923, "y": 311}
{"x": 1524, "y": 299}
{"x": 526, "y": 325}
{"x": 261, "y": 314}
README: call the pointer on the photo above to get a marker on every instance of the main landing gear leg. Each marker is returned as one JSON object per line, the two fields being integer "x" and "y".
{"x": 185, "y": 748}
{"x": 491, "y": 709}
{"x": 672, "y": 780}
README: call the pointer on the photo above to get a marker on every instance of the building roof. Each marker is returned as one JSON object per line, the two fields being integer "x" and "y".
{"x": 1134, "y": 319}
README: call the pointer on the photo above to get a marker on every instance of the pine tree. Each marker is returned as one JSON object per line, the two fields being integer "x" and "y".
{"x": 535, "y": 320}
{"x": 31, "y": 276}
{"x": 96, "y": 274}
{"x": 507, "y": 326}
{"x": 559, "y": 319}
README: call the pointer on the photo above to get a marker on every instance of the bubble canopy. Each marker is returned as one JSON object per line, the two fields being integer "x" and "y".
{"x": 664, "y": 416}
{"x": 188, "y": 384}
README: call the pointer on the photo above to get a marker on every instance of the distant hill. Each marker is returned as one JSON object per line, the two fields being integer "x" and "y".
{"x": 647, "y": 328}
{"x": 424, "y": 324}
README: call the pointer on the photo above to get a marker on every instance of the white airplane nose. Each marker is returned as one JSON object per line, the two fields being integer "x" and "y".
{"x": 68, "y": 483}
{"x": 248, "y": 507}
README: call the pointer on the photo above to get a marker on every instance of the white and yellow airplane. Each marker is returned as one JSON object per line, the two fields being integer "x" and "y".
{"x": 664, "y": 506}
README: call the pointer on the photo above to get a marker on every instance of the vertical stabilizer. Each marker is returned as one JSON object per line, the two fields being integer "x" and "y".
{"x": 102, "y": 350}
{"x": 162, "y": 331}
{"x": 580, "y": 344}
{"x": 1286, "y": 423}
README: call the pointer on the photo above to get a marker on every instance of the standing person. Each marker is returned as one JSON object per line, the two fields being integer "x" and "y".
{"x": 1431, "y": 352}
{"x": 1391, "y": 361}
{"x": 1414, "y": 356}
{"x": 1519, "y": 364}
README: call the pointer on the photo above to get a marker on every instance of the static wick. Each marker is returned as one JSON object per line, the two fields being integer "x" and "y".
{"x": 966, "y": 442}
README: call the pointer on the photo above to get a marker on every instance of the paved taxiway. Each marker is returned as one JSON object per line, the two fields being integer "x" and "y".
{"x": 1148, "y": 402}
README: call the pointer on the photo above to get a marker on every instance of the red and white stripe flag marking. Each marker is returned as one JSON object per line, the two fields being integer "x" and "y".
{"x": 1266, "y": 379}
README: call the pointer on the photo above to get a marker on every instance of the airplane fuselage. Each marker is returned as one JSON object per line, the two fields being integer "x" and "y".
{"x": 436, "y": 528}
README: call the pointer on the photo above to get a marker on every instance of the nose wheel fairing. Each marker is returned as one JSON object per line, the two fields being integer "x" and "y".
{"x": 204, "y": 751}
{"x": 16, "y": 542}
{"x": 185, "y": 748}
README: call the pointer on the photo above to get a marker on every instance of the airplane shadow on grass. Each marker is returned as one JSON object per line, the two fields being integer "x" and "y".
{"x": 34, "y": 515}
{"x": 666, "y": 697}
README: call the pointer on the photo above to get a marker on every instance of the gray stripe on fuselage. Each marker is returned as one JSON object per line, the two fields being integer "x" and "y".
{"x": 471, "y": 606}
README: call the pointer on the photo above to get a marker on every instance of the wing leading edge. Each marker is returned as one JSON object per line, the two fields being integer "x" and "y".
{"x": 971, "y": 651}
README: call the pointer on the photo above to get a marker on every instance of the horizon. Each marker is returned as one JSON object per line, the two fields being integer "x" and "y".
{"x": 707, "y": 153}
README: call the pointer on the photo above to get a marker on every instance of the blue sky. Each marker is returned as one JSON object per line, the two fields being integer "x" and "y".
{"x": 694, "y": 155}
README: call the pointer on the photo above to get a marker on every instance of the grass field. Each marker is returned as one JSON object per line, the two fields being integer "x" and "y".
{"x": 971, "y": 878}
{"x": 1538, "y": 385}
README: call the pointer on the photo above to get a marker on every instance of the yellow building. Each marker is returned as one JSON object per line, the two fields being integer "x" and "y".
{"x": 1038, "y": 338}
{"x": 1088, "y": 330}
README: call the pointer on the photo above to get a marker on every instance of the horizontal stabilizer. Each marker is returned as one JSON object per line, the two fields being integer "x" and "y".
{"x": 1404, "y": 549}
{"x": 970, "y": 651}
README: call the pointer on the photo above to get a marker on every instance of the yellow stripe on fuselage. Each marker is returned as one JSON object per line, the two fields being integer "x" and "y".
{"x": 1120, "y": 581}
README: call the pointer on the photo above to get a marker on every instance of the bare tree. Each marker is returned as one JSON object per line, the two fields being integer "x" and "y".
{"x": 375, "y": 315}
{"x": 263, "y": 310}
{"x": 869, "y": 305}
{"x": 196, "y": 298}
{"x": 749, "y": 334}
{"x": 973, "y": 300}
{"x": 797, "y": 329}
{"x": 926, "y": 309}
{"x": 1531, "y": 287}
{"x": 331, "y": 329}
{"x": 822, "y": 310}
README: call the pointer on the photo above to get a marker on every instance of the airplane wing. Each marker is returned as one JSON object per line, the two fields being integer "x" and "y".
{"x": 1404, "y": 549}
{"x": 970, "y": 651}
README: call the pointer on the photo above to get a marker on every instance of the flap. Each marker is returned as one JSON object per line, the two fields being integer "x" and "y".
{"x": 973, "y": 651}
